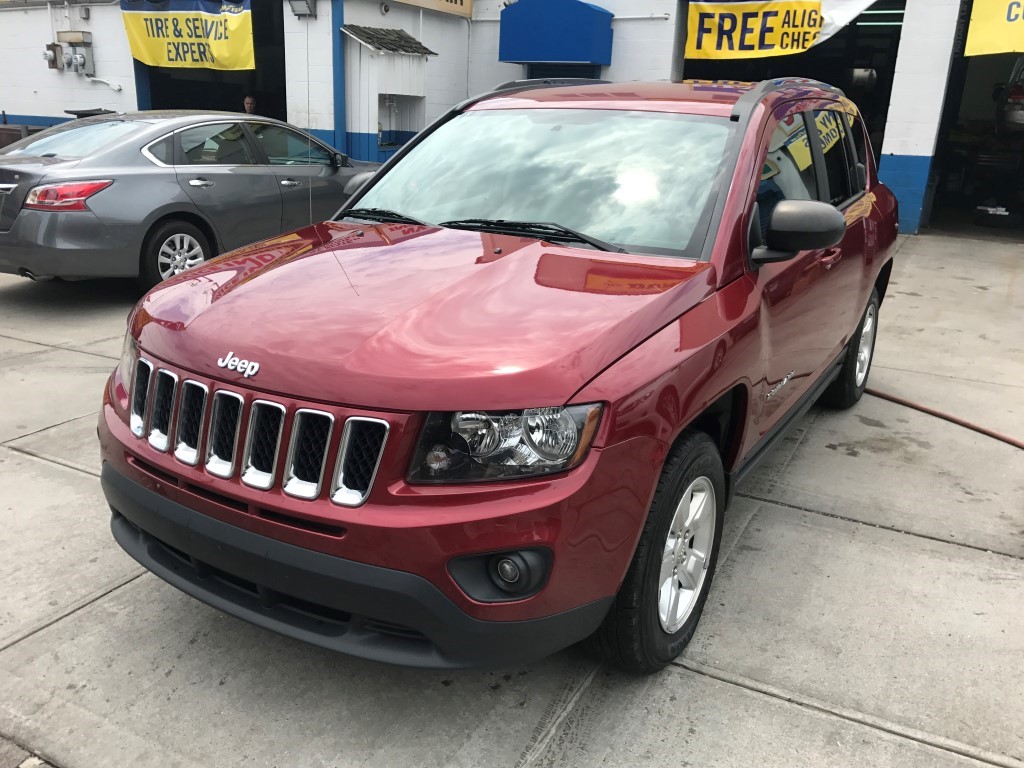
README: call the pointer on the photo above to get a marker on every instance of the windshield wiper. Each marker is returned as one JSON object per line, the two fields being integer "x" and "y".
{"x": 544, "y": 230}
{"x": 381, "y": 214}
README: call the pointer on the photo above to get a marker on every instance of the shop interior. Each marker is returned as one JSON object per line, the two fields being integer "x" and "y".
{"x": 224, "y": 90}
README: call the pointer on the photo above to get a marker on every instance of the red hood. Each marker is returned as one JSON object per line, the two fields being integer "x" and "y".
{"x": 396, "y": 317}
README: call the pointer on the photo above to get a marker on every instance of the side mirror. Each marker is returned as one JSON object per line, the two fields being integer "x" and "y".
{"x": 799, "y": 225}
{"x": 339, "y": 160}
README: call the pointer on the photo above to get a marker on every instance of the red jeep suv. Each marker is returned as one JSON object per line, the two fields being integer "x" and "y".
{"x": 500, "y": 402}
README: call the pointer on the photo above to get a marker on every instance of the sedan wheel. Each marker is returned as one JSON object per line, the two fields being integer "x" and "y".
{"x": 172, "y": 247}
{"x": 178, "y": 253}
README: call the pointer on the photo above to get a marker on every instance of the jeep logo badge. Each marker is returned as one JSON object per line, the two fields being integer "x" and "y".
{"x": 245, "y": 367}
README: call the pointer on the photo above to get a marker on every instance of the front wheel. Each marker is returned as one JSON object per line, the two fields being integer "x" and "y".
{"x": 657, "y": 609}
{"x": 848, "y": 387}
{"x": 170, "y": 249}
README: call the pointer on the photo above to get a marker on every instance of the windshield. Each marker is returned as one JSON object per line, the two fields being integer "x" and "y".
{"x": 71, "y": 140}
{"x": 640, "y": 180}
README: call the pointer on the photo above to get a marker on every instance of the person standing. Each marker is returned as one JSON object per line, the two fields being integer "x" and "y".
{"x": 249, "y": 104}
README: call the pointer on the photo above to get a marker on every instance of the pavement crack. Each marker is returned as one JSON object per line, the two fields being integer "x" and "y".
{"x": 893, "y": 528}
{"x": 74, "y": 608}
{"x": 851, "y": 715}
{"x": 7, "y": 443}
{"x": 48, "y": 761}
{"x": 52, "y": 460}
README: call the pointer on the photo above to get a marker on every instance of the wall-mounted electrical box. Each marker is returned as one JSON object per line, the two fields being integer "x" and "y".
{"x": 54, "y": 56}
{"x": 79, "y": 60}
{"x": 74, "y": 37}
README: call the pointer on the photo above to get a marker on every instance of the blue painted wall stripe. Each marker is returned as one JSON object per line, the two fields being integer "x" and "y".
{"x": 36, "y": 120}
{"x": 907, "y": 177}
{"x": 143, "y": 92}
{"x": 340, "y": 140}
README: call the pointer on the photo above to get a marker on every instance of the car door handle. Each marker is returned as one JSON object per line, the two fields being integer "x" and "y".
{"x": 830, "y": 257}
{"x": 200, "y": 182}
{"x": 290, "y": 183}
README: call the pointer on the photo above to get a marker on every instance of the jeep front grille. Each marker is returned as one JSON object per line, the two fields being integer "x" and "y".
{"x": 140, "y": 396}
{"x": 184, "y": 417}
{"x": 163, "y": 405}
{"x": 190, "y": 422}
{"x": 362, "y": 444}
{"x": 307, "y": 453}
{"x": 262, "y": 443}
{"x": 225, "y": 421}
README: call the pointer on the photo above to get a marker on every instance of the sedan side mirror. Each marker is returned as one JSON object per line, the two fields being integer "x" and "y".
{"x": 799, "y": 225}
{"x": 339, "y": 160}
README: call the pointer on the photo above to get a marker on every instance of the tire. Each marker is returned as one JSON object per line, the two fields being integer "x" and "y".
{"x": 847, "y": 389}
{"x": 639, "y": 635}
{"x": 171, "y": 248}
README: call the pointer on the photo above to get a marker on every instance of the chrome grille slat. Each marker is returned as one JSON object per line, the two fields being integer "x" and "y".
{"x": 262, "y": 444}
{"x": 140, "y": 396}
{"x": 362, "y": 446}
{"x": 189, "y": 429}
{"x": 222, "y": 440}
{"x": 307, "y": 453}
{"x": 162, "y": 410}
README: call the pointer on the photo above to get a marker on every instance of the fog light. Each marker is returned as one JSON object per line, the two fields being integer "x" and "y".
{"x": 508, "y": 571}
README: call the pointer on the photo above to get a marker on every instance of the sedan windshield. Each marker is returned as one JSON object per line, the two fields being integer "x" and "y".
{"x": 73, "y": 140}
{"x": 639, "y": 180}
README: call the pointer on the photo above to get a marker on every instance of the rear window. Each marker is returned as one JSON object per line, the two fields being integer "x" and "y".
{"x": 73, "y": 140}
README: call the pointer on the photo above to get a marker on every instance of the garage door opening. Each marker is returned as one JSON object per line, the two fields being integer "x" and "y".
{"x": 976, "y": 183}
{"x": 860, "y": 59}
{"x": 210, "y": 89}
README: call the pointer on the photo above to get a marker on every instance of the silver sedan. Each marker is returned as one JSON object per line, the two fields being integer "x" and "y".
{"x": 151, "y": 194}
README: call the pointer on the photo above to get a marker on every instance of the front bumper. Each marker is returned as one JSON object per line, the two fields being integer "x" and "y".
{"x": 70, "y": 244}
{"x": 360, "y": 609}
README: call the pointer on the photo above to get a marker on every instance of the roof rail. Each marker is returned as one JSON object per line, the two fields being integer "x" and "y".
{"x": 746, "y": 103}
{"x": 527, "y": 85}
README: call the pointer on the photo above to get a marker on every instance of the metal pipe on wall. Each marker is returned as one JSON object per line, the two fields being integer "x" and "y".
{"x": 679, "y": 41}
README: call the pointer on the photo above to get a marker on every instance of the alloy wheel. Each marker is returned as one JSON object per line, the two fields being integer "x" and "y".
{"x": 686, "y": 553}
{"x": 178, "y": 253}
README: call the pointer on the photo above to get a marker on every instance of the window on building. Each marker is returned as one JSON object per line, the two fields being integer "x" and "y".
{"x": 217, "y": 144}
{"x": 285, "y": 147}
{"x": 788, "y": 171}
{"x": 832, "y": 133}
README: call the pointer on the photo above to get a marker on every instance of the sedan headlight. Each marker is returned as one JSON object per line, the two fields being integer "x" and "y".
{"x": 475, "y": 446}
{"x": 129, "y": 355}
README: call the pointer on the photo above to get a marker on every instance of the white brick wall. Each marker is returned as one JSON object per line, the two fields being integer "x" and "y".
{"x": 29, "y": 87}
{"x": 922, "y": 70}
{"x": 309, "y": 68}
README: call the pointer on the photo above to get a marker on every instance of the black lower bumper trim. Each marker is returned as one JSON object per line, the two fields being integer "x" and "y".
{"x": 362, "y": 610}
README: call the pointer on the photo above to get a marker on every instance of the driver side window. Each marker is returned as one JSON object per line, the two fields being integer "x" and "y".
{"x": 284, "y": 147}
{"x": 788, "y": 170}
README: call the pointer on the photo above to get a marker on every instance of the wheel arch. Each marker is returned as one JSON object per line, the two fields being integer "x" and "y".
{"x": 724, "y": 421}
{"x": 191, "y": 217}
{"x": 882, "y": 281}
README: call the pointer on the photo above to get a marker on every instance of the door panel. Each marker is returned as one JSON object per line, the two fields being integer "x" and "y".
{"x": 216, "y": 167}
{"x": 312, "y": 188}
{"x": 843, "y": 264}
{"x": 796, "y": 314}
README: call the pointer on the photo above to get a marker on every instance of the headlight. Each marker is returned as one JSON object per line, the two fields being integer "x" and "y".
{"x": 475, "y": 446}
{"x": 129, "y": 354}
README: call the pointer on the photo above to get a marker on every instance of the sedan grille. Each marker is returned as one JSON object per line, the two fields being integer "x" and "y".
{"x": 172, "y": 412}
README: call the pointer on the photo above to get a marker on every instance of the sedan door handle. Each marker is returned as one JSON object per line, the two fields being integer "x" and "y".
{"x": 200, "y": 182}
{"x": 290, "y": 183}
{"x": 831, "y": 257}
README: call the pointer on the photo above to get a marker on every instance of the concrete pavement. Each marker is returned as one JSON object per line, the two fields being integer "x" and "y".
{"x": 867, "y": 608}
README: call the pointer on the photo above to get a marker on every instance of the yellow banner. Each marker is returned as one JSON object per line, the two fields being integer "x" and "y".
{"x": 997, "y": 26}
{"x": 193, "y": 34}
{"x": 458, "y": 7}
{"x": 752, "y": 30}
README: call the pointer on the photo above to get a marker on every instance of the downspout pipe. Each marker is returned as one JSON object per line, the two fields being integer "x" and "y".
{"x": 679, "y": 41}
